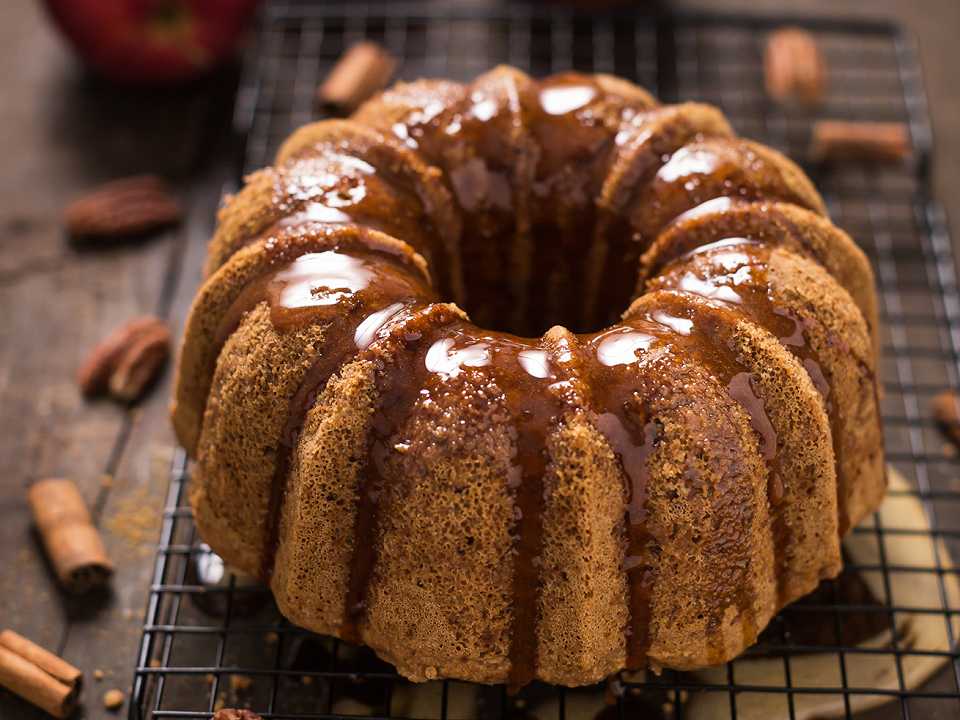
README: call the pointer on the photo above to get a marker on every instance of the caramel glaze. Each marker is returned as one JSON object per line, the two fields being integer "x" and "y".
{"x": 481, "y": 143}
{"x": 741, "y": 283}
{"x": 643, "y": 145}
{"x": 626, "y": 423}
{"x": 723, "y": 217}
{"x": 419, "y": 349}
{"x": 682, "y": 243}
{"x": 377, "y": 309}
{"x": 419, "y": 346}
{"x": 396, "y": 345}
{"x": 735, "y": 272}
{"x": 700, "y": 171}
{"x": 702, "y": 331}
{"x": 416, "y": 345}
{"x": 341, "y": 287}
{"x": 530, "y": 388}
{"x": 576, "y": 146}
{"x": 304, "y": 286}
{"x": 341, "y": 189}
{"x": 766, "y": 224}
{"x": 696, "y": 173}
{"x": 525, "y": 160}
{"x": 574, "y": 126}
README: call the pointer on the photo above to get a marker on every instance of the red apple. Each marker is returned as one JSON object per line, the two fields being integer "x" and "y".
{"x": 153, "y": 41}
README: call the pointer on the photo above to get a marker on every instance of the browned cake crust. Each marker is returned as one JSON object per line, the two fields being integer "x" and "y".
{"x": 552, "y": 505}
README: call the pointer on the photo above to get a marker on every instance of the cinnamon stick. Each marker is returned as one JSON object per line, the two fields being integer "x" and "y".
{"x": 359, "y": 73}
{"x": 848, "y": 140}
{"x": 38, "y": 676}
{"x": 70, "y": 539}
{"x": 51, "y": 664}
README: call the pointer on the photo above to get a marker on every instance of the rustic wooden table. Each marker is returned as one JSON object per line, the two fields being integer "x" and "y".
{"x": 61, "y": 132}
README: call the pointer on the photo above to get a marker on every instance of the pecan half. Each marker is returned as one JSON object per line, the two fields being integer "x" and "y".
{"x": 794, "y": 68}
{"x": 140, "y": 364}
{"x": 130, "y": 206}
{"x": 94, "y": 374}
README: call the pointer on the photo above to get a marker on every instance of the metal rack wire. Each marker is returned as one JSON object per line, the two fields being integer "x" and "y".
{"x": 211, "y": 637}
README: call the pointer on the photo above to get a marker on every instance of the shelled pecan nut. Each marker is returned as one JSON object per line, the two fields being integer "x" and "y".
{"x": 129, "y": 206}
{"x": 94, "y": 374}
{"x": 794, "y": 68}
{"x": 140, "y": 364}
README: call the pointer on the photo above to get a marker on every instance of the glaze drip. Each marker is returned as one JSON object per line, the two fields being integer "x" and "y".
{"x": 479, "y": 140}
{"x": 340, "y": 189}
{"x": 345, "y": 288}
{"x": 745, "y": 269}
{"x": 314, "y": 287}
{"x": 706, "y": 335}
{"x": 523, "y": 372}
{"x": 633, "y": 447}
{"x": 526, "y": 379}
{"x": 409, "y": 330}
{"x": 737, "y": 266}
{"x": 741, "y": 388}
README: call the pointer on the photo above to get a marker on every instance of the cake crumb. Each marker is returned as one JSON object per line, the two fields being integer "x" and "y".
{"x": 98, "y": 674}
{"x": 306, "y": 680}
{"x": 271, "y": 638}
{"x": 113, "y": 699}
{"x": 154, "y": 663}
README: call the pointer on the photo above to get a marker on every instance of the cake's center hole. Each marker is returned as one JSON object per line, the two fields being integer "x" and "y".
{"x": 503, "y": 297}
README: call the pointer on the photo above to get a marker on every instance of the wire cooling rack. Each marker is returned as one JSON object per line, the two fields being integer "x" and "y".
{"x": 879, "y": 641}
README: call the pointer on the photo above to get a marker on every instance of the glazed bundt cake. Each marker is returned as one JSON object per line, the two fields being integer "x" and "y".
{"x": 378, "y": 436}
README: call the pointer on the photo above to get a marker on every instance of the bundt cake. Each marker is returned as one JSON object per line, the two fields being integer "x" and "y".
{"x": 379, "y": 437}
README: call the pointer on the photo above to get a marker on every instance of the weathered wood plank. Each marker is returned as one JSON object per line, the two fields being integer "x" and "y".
{"x": 130, "y": 517}
{"x": 63, "y": 133}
